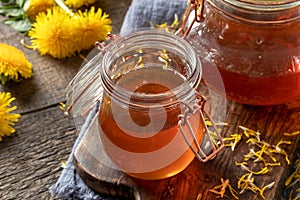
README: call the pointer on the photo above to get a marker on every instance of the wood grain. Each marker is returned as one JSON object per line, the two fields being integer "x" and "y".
{"x": 31, "y": 159}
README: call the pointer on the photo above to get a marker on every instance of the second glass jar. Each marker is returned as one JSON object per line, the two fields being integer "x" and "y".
{"x": 255, "y": 46}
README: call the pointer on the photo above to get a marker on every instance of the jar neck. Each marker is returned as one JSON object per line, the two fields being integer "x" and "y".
{"x": 259, "y": 11}
{"x": 134, "y": 52}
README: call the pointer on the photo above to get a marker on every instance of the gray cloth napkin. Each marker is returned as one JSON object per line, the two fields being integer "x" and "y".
{"x": 139, "y": 15}
{"x": 70, "y": 185}
{"x": 142, "y": 13}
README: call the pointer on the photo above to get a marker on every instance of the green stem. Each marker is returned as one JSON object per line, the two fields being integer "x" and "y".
{"x": 63, "y": 6}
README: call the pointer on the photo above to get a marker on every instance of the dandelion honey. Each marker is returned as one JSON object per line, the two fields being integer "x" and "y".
{"x": 150, "y": 123}
{"x": 254, "y": 46}
{"x": 142, "y": 140}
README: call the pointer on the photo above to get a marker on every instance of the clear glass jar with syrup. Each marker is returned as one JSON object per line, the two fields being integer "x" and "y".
{"x": 254, "y": 45}
{"x": 151, "y": 121}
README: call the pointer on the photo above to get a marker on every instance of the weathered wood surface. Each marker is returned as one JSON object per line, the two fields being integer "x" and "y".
{"x": 30, "y": 160}
{"x": 198, "y": 178}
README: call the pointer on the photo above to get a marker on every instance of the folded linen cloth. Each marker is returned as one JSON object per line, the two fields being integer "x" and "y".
{"x": 139, "y": 15}
{"x": 70, "y": 185}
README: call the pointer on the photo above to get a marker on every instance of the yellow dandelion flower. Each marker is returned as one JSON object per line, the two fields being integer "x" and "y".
{"x": 94, "y": 26}
{"x": 13, "y": 63}
{"x": 53, "y": 33}
{"x": 7, "y": 119}
{"x": 33, "y": 7}
{"x": 79, "y": 3}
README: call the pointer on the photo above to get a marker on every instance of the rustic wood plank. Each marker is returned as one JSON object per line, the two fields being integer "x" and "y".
{"x": 198, "y": 178}
{"x": 31, "y": 158}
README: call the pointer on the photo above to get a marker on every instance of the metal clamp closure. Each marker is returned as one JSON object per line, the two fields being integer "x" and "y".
{"x": 193, "y": 5}
{"x": 212, "y": 141}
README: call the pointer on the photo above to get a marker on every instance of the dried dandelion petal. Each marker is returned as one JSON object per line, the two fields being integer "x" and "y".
{"x": 92, "y": 26}
{"x": 281, "y": 151}
{"x": 249, "y": 132}
{"x": 264, "y": 152}
{"x": 261, "y": 191}
{"x": 13, "y": 63}
{"x": 170, "y": 28}
{"x": 243, "y": 166}
{"x": 246, "y": 182}
{"x": 295, "y": 133}
{"x": 7, "y": 119}
{"x": 242, "y": 163}
{"x": 234, "y": 139}
{"x": 164, "y": 25}
{"x": 209, "y": 123}
{"x": 288, "y": 181}
{"x": 265, "y": 148}
{"x": 294, "y": 178}
{"x": 176, "y": 22}
{"x": 262, "y": 155}
{"x": 62, "y": 106}
{"x": 140, "y": 60}
{"x": 199, "y": 196}
{"x": 233, "y": 192}
{"x": 164, "y": 57}
{"x": 221, "y": 189}
{"x": 53, "y": 33}
{"x": 63, "y": 164}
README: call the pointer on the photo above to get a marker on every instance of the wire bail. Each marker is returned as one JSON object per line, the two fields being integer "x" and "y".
{"x": 193, "y": 5}
{"x": 211, "y": 138}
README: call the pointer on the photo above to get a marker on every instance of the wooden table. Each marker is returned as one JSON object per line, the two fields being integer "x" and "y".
{"x": 30, "y": 160}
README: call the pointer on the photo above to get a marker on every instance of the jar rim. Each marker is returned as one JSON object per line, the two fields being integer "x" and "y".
{"x": 260, "y": 11}
{"x": 140, "y": 38}
{"x": 265, "y": 5}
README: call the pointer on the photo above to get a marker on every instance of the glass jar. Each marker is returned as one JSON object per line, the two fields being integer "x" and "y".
{"x": 151, "y": 119}
{"x": 254, "y": 45}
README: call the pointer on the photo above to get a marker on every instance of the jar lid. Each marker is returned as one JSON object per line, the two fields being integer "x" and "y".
{"x": 85, "y": 88}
